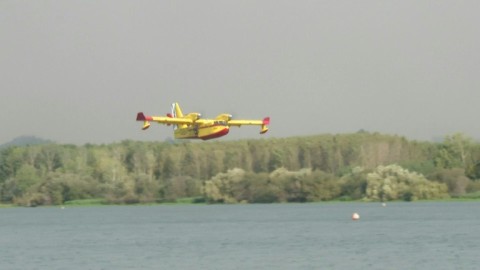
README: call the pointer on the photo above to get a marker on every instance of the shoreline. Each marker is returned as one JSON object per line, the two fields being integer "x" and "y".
{"x": 101, "y": 202}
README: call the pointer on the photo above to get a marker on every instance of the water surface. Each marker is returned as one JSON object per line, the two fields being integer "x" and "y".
{"x": 420, "y": 235}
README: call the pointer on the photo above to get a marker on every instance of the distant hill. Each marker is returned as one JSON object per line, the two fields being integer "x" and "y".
{"x": 25, "y": 140}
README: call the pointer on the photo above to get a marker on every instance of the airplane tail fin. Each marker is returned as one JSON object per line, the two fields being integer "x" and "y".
{"x": 145, "y": 119}
{"x": 140, "y": 116}
{"x": 176, "y": 111}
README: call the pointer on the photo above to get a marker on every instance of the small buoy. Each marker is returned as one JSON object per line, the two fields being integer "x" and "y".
{"x": 355, "y": 216}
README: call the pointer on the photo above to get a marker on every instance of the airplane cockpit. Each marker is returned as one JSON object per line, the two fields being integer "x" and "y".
{"x": 220, "y": 123}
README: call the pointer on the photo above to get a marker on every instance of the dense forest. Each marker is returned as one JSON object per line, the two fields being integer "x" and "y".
{"x": 359, "y": 166}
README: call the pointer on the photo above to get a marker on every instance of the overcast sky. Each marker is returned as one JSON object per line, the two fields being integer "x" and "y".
{"x": 79, "y": 71}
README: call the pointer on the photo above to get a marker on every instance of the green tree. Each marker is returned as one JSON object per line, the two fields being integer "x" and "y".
{"x": 25, "y": 178}
{"x": 455, "y": 152}
{"x": 354, "y": 184}
{"x": 169, "y": 168}
{"x": 276, "y": 160}
{"x": 146, "y": 188}
{"x": 223, "y": 187}
{"x": 11, "y": 159}
{"x": 455, "y": 180}
{"x": 51, "y": 157}
{"x": 392, "y": 182}
{"x": 190, "y": 164}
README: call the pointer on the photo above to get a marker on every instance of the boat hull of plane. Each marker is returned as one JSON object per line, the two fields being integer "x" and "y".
{"x": 204, "y": 133}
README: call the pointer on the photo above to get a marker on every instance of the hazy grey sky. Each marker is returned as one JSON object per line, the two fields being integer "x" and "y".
{"x": 79, "y": 71}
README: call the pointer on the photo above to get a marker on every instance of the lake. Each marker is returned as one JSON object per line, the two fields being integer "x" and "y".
{"x": 401, "y": 235}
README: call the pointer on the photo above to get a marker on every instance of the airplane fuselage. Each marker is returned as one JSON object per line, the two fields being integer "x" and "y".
{"x": 202, "y": 131}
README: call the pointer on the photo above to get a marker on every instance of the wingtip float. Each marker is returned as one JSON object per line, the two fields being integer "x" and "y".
{"x": 192, "y": 126}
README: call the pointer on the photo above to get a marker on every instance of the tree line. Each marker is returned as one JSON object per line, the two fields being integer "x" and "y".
{"x": 368, "y": 166}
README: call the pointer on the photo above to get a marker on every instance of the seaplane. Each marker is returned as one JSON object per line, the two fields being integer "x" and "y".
{"x": 193, "y": 126}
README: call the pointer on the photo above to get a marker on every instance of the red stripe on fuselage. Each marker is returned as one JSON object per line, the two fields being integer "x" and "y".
{"x": 220, "y": 133}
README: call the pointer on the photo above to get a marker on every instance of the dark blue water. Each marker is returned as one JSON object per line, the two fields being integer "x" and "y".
{"x": 278, "y": 236}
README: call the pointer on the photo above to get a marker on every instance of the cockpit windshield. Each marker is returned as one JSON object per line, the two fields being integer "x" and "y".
{"x": 220, "y": 123}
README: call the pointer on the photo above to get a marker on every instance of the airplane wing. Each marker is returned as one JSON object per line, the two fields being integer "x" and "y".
{"x": 264, "y": 123}
{"x": 162, "y": 120}
{"x": 244, "y": 122}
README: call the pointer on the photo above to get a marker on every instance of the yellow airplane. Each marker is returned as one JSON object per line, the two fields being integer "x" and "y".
{"x": 192, "y": 126}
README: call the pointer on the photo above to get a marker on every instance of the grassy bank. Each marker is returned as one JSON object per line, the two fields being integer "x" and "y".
{"x": 200, "y": 200}
{"x": 97, "y": 202}
{"x": 86, "y": 202}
